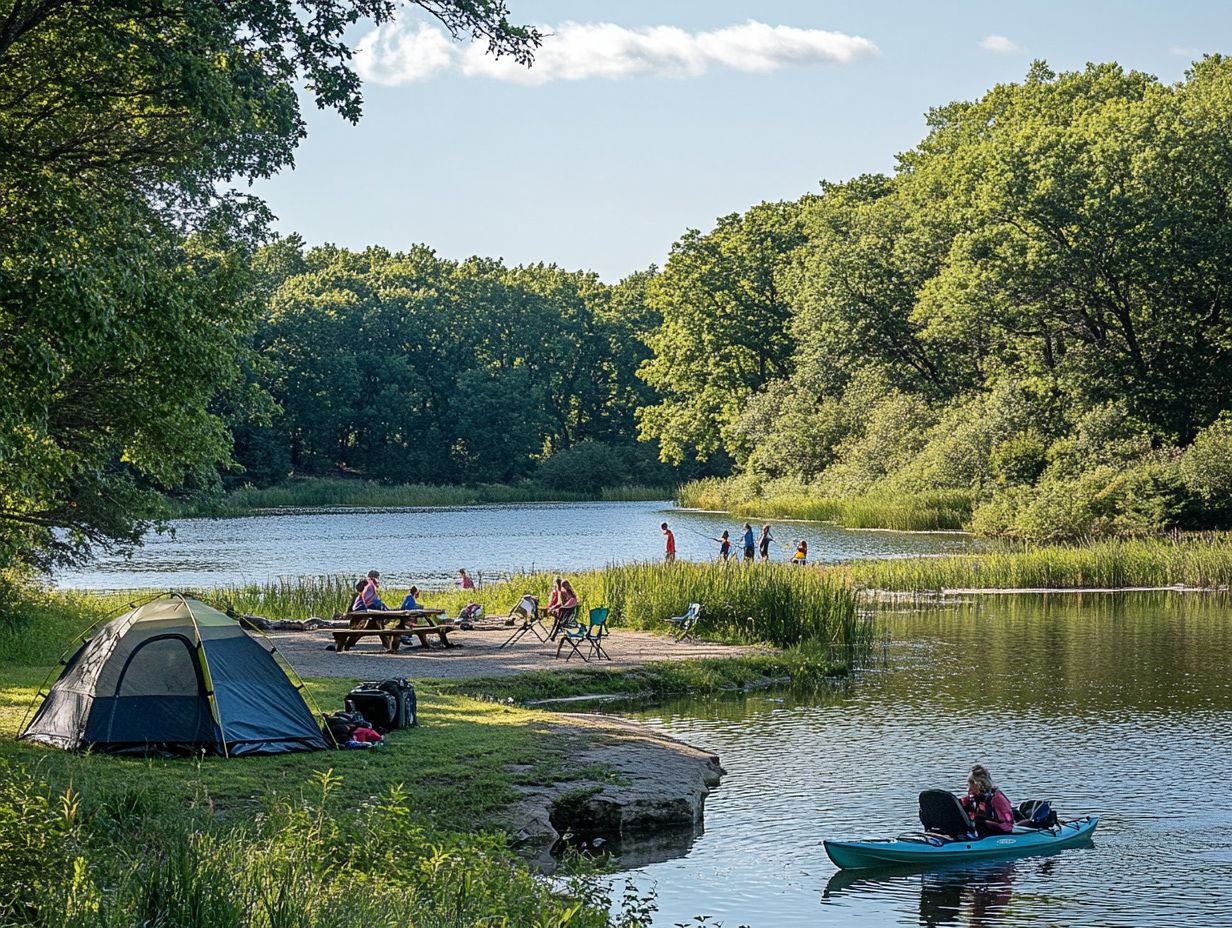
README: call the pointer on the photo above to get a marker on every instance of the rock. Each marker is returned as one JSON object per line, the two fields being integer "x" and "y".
{"x": 653, "y": 792}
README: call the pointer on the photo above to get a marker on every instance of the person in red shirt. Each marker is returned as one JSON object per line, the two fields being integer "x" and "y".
{"x": 988, "y": 807}
{"x": 669, "y": 553}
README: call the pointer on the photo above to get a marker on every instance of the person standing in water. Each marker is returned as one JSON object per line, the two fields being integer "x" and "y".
{"x": 669, "y": 552}
{"x": 747, "y": 542}
{"x": 763, "y": 543}
{"x": 464, "y": 580}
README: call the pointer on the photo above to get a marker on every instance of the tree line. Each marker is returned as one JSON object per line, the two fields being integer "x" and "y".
{"x": 1033, "y": 309}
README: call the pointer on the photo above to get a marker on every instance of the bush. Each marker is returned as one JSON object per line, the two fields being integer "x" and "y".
{"x": 587, "y": 467}
{"x": 38, "y": 836}
{"x": 1206, "y": 466}
{"x": 1107, "y": 502}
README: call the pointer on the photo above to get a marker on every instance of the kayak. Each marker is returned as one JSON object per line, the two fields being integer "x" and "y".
{"x": 933, "y": 849}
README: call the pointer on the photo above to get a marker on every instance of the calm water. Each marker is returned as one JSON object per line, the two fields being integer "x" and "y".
{"x": 427, "y": 546}
{"x": 1119, "y": 705}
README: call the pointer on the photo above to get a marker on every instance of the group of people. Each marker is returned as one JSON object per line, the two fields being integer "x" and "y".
{"x": 754, "y": 545}
{"x": 368, "y": 592}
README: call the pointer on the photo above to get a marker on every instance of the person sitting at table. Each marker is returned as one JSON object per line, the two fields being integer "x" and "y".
{"x": 409, "y": 601}
{"x": 370, "y": 594}
{"x": 358, "y": 604}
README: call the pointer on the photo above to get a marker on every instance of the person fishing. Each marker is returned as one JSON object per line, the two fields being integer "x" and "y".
{"x": 763, "y": 543}
{"x": 800, "y": 558}
{"x": 748, "y": 542}
{"x": 724, "y": 546}
{"x": 990, "y": 810}
{"x": 669, "y": 553}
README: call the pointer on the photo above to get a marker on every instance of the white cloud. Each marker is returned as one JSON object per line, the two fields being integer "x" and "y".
{"x": 999, "y": 44}
{"x": 400, "y": 52}
{"x": 1185, "y": 51}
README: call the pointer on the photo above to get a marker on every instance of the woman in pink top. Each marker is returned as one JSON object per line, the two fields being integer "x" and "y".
{"x": 464, "y": 580}
{"x": 988, "y": 807}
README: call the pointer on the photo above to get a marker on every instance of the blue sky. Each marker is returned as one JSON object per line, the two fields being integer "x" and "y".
{"x": 604, "y": 173}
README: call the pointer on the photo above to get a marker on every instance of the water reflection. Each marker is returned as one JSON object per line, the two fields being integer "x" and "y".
{"x": 1116, "y": 705}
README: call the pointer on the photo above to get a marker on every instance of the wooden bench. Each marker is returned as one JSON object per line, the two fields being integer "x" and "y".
{"x": 392, "y": 637}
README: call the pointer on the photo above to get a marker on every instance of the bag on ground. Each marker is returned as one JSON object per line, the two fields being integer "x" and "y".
{"x": 377, "y": 706}
{"x": 403, "y": 692}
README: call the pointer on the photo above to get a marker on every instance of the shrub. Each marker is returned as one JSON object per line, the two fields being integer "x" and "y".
{"x": 1206, "y": 466}
{"x": 587, "y": 467}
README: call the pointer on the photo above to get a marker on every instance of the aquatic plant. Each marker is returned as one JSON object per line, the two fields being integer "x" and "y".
{"x": 330, "y": 492}
{"x": 1188, "y": 560}
{"x": 926, "y": 511}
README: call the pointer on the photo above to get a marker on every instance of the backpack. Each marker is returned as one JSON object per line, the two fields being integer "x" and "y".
{"x": 339, "y": 725}
{"x": 1035, "y": 813}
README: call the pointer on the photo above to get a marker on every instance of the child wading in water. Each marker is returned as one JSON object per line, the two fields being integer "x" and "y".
{"x": 800, "y": 558}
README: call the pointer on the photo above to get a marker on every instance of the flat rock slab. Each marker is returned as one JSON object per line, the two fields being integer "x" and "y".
{"x": 479, "y": 655}
{"x": 649, "y": 805}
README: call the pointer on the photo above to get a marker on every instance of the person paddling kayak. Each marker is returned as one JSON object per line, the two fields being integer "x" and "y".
{"x": 988, "y": 807}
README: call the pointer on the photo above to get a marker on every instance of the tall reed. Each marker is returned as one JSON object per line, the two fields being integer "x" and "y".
{"x": 933, "y": 510}
{"x": 1197, "y": 561}
{"x": 326, "y": 492}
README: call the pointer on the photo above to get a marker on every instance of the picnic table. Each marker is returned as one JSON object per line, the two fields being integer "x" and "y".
{"x": 422, "y": 623}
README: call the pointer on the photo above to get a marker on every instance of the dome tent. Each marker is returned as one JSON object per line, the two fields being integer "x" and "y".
{"x": 174, "y": 676}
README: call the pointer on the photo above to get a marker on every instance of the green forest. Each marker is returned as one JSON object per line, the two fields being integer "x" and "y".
{"x": 1023, "y": 331}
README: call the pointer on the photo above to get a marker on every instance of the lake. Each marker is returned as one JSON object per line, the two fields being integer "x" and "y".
{"x": 1113, "y": 704}
{"x": 426, "y": 546}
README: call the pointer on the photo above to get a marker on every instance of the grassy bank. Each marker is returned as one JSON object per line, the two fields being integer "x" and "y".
{"x": 327, "y": 492}
{"x": 917, "y": 512}
{"x": 772, "y": 603}
{"x": 1197, "y": 561}
{"x": 340, "y": 839}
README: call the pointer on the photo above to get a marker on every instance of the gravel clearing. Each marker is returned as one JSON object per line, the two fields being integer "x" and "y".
{"x": 479, "y": 654}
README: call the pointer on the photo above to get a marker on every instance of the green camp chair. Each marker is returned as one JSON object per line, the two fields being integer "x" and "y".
{"x": 589, "y": 636}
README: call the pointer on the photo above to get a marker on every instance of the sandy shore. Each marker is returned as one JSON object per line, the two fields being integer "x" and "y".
{"x": 478, "y": 654}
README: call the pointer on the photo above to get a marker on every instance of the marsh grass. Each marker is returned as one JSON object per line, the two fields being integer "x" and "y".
{"x": 744, "y": 604}
{"x": 297, "y": 862}
{"x": 334, "y": 492}
{"x": 936, "y": 510}
{"x": 1196, "y": 561}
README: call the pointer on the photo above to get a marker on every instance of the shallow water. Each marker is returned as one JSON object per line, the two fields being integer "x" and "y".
{"x": 427, "y": 546}
{"x": 1113, "y": 704}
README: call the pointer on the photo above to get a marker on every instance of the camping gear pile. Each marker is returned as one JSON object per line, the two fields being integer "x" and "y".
{"x": 382, "y": 706}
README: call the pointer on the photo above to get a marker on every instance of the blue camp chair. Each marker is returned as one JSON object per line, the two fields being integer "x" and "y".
{"x": 589, "y": 636}
{"x": 684, "y": 623}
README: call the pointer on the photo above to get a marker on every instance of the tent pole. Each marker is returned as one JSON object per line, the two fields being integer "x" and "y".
{"x": 209, "y": 678}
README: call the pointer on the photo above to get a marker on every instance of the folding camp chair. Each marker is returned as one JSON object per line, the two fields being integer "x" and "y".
{"x": 589, "y": 636}
{"x": 684, "y": 623}
{"x": 527, "y": 613}
{"x": 565, "y": 618}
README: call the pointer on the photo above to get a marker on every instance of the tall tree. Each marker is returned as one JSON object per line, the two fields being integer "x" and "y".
{"x": 724, "y": 333}
{"x": 124, "y": 298}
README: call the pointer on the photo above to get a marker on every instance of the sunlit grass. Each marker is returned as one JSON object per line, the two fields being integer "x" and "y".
{"x": 935, "y": 510}
{"x": 1196, "y": 561}
{"x": 329, "y": 492}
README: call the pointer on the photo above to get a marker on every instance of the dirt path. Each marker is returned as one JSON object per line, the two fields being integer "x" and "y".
{"x": 479, "y": 654}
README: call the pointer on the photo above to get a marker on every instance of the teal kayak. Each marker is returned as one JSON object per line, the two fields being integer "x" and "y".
{"x": 931, "y": 849}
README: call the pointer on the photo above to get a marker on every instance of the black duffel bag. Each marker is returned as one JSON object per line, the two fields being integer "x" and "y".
{"x": 378, "y": 706}
{"x": 403, "y": 692}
